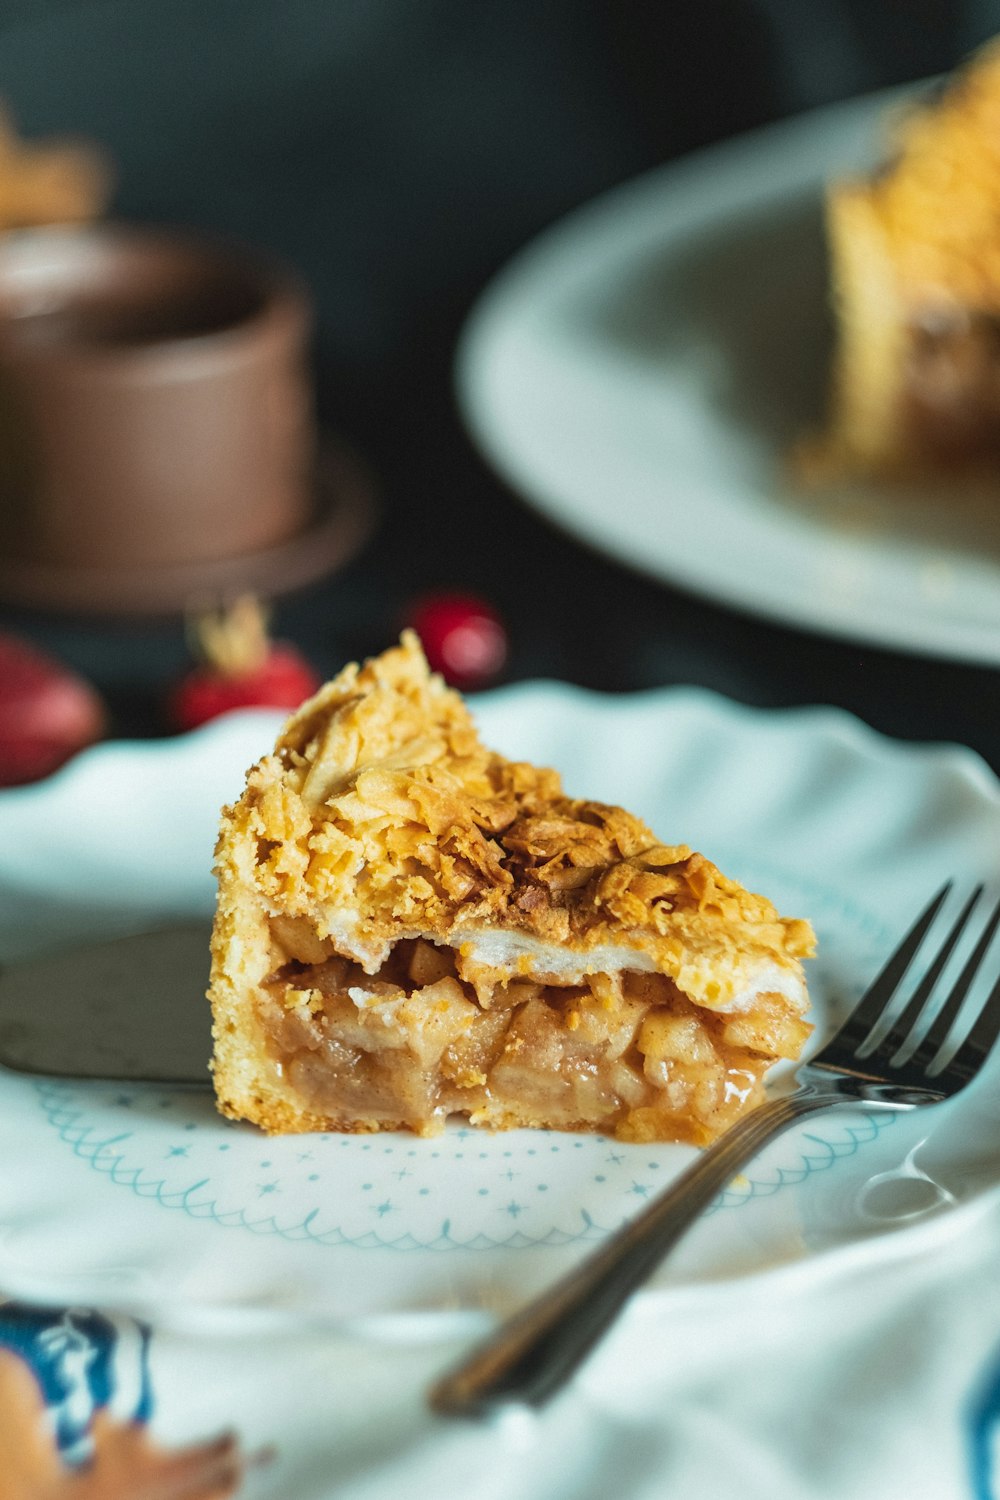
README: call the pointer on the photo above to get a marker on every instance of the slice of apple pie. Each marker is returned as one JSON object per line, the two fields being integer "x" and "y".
{"x": 915, "y": 264}
{"x": 410, "y": 926}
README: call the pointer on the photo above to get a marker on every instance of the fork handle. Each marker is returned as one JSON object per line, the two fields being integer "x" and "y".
{"x": 532, "y": 1355}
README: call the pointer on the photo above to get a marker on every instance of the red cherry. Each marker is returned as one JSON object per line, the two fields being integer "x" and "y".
{"x": 463, "y": 638}
{"x": 47, "y": 712}
{"x": 242, "y": 668}
{"x": 282, "y": 680}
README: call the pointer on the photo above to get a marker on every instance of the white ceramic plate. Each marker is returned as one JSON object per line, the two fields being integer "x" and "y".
{"x": 144, "y": 1198}
{"x": 640, "y": 372}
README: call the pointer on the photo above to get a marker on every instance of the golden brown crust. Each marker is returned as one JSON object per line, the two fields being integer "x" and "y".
{"x": 380, "y": 798}
{"x": 915, "y": 252}
{"x": 380, "y": 818}
{"x": 938, "y": 201}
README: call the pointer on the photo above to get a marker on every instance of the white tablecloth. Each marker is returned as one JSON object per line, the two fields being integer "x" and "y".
{"x": 875, "y": 1372}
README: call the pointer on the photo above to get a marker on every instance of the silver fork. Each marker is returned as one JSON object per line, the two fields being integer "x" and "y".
{"x": 885, "y": 1057}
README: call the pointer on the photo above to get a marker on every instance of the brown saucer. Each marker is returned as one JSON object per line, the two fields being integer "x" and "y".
{"x": 343, "y": 518}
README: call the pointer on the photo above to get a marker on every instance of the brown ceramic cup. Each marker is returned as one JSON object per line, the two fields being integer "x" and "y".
{"x": 155, "y": 406}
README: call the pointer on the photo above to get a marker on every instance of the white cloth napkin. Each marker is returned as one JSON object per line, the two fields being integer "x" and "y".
{"x": 874, "y": 1371}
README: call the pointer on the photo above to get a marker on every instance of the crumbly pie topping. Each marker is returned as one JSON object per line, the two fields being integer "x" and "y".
{"x": 915, "y": 262}
{"x": 381, "y": 816}
{"x": 938, "y": 199}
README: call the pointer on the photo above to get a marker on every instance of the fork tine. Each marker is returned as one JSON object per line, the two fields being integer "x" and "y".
{"x": 871, "y": 1007}
{"x": 909, "y": 1018}
{"x": 973, "y": 1052}
{"x": 941, "y": 1025}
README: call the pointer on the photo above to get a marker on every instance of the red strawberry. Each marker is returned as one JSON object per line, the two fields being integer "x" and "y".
{"x": 463, "y": 637}
{"x": 47, "y": 712}
{"x": 240, "y": 668}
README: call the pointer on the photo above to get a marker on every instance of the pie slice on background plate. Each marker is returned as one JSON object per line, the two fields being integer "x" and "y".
{"x": 915, "y": 259}
{"x": 410, "y": 926}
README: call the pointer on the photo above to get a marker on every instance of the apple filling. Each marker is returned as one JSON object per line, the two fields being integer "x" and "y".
{"x": 429, "y": 1036}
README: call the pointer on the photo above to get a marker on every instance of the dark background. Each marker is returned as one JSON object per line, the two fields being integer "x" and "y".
{"x": 398, "y": 152}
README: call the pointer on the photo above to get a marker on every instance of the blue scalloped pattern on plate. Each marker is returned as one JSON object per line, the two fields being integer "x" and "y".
{"x": 465, "y": 1189}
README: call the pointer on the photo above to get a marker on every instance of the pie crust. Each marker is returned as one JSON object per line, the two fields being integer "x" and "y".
{"x": 411, "y": 926}
{"x": 915, "y": 255}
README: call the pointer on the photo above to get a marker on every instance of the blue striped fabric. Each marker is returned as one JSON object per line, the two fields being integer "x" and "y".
{"x": 83, "y": 1360}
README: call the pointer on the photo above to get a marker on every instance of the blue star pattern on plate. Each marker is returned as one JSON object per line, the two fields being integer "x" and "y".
{"x": 463, "y": 1189}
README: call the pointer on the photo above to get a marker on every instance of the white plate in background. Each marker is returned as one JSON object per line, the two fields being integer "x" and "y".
{"x": 640, "y": 372}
